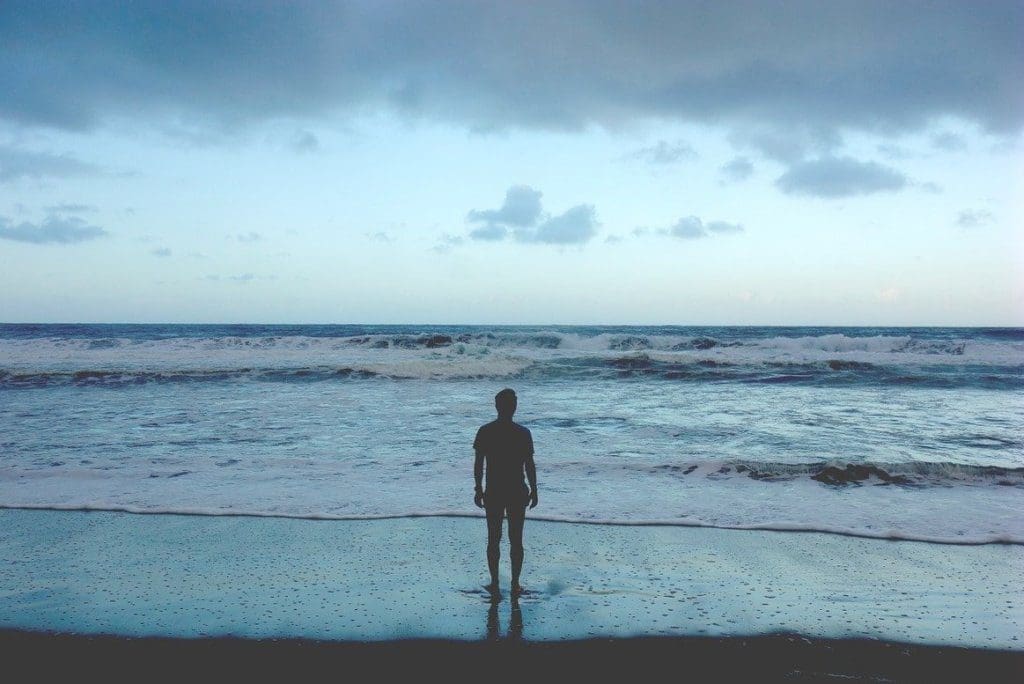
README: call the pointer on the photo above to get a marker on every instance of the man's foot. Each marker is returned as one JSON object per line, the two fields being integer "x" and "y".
{"x": 492, "y": 589}
{"x": 519, "y": 590}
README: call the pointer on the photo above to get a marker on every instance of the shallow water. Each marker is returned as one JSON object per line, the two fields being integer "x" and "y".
{"x": 726, "y": 427}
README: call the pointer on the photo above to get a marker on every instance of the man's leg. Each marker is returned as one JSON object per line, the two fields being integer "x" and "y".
{"x": 516, "y": 519}
{"x": 494, "y": 518}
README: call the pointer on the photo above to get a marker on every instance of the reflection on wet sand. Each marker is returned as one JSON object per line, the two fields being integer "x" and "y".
{"x": 515, "y": 621}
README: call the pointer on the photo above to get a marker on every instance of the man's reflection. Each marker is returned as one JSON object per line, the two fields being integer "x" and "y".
{"x": 515, "y": 622}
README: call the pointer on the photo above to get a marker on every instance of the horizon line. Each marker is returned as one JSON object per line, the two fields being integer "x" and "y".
{"x": 529, "y": 325}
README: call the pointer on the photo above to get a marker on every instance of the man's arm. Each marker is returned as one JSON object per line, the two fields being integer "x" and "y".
{"x": 531, "y": 473}
{"x": 478, "y": 477}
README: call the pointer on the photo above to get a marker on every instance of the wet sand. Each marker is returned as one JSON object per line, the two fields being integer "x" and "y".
{"x": 271, "y": 592}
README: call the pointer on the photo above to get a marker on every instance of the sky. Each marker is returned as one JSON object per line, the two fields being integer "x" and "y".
{"x": 718, "y": 163}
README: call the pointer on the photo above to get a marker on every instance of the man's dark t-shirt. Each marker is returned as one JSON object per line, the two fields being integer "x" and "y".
{"x": 506, "y": 447}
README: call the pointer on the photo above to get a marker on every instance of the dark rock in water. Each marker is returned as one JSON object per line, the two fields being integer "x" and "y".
{"x": 839, "y": 364}
{"x": 696, "y": 343}
{"x": 437, "y": 341}
{"x": 633, "y": 363}
{"x": 630, "y": 342}
{"x": 855, "y": 474}
{"x": 689, "y": 470}
{"x": 704, "y": 343}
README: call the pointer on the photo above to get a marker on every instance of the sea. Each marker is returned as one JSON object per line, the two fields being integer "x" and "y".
{"x": 892, "y": 433}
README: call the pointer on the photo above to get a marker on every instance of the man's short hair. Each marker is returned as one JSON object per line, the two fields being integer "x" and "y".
{"x": 505, "y": 396}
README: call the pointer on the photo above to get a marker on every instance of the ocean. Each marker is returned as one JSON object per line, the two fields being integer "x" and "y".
{"x": 895, "y": 433}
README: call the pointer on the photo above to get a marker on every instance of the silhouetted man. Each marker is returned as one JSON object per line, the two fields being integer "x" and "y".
{"x": 507, "y": 449}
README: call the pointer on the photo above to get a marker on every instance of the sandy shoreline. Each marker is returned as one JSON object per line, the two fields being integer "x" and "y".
{"x": 778, "y": 657}
{"x": 263, "y": 578}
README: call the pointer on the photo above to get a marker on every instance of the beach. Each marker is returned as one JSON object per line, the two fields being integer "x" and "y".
{"x": 137, "y": 586}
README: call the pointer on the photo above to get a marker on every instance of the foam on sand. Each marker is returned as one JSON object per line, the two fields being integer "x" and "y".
{"x": 168, "y": 575}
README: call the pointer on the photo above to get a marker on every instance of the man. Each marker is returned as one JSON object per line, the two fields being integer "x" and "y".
{"x": 507, "y": 449}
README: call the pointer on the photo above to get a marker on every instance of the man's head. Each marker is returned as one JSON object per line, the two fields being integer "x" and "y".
{"x": 505, "y": 402}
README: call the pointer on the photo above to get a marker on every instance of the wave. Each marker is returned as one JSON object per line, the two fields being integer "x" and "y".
{"x": 117, "y": 378}
{"x": 831, "y": 372}
{"x": 543, "y": 339}
{"x": 818, "y": 374}
{"x": 843, "y": 474}
{"x": 832, "y": 359}
{"x": 890, "y": 535}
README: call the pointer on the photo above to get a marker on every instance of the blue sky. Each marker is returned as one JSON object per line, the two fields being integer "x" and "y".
{"x": 565, "y": 162}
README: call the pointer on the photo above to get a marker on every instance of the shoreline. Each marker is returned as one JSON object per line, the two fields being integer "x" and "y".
{"x": 770, "y": 657}
{"x": 540, "y": 518}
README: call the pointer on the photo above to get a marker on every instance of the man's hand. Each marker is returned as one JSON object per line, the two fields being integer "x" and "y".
{"x": 533, "y": 498}
{"x": 478, "y": 499}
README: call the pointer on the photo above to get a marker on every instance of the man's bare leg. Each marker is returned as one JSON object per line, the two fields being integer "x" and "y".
{"x": 516, "y": 519}
{"x": 494, "y": 521}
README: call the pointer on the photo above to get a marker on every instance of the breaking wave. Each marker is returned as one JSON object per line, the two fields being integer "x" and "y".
{"x": 938, "y": 359}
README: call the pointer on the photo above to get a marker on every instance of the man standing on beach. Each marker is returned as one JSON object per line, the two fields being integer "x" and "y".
{"x": 507, "y": 449}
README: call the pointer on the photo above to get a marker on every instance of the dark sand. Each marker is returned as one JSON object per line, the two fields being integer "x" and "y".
{"x": 763, "y": 658}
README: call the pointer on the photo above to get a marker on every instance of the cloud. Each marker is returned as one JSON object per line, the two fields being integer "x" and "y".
{"x": 664, "y": 153}
{"x": 736, "y": 170}
{"x": 16, "y": 163}
{"x": 949, "y": 142}
{"x": 575, "y": 226}
{"x": 521, "y": 208}
{"x": 304, "y": 141}
{"x": 893, "y": 151}
{"x": 876, "y": 66}
{"x": 446, "y": 242}
{"x": 161, "y": 252}
{"x": 241, "y": 278}
{"x": 974, "y": 218}
{"x": 693, "y": 228}
{"x": 71, "y": 208}
{"x": 380, "y": 236}
{"x": 787, "y": 142}
{"x": 489, "y": 232}
{"x": 522, "y": 217}
{"x": 721, "y": 227}
{"x": 833, "y": 177}
{"x": 251, "y": 236}
{"x": 53, "y": 229}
